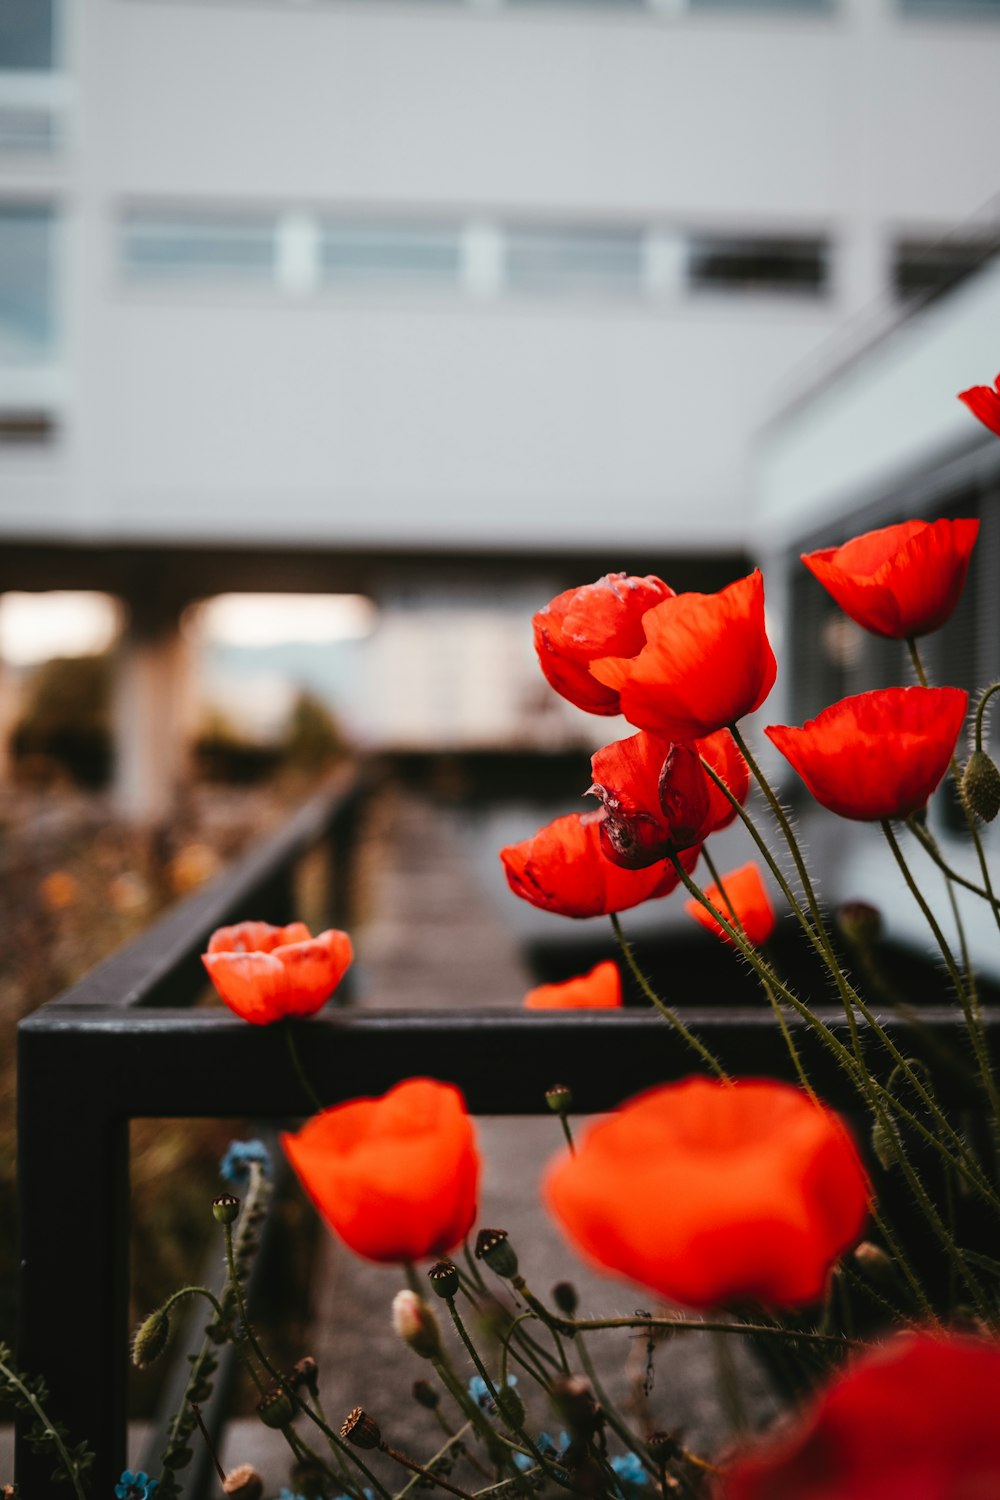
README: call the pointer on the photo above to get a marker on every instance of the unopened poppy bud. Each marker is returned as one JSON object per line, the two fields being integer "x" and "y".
{"x": 150, "y": 1339}
{"x": 244, "y": 1483}
{"x": 494, "y": 1247}
{"x": 225, "y": 1208}
{"x": 663, "y": 1447}
{"x": 443, "y": 1278}
{"x": 559, "y": 1098}
{"x": 981, "y": 785}
{"x": 275, "y": 1407}
{"x": 883, "y": 1145}
{"x": 860, "y": 923}
{"x": 874, "y": 1261}
{"x": 361, "y": 1429}
{"x": 416, "y": 1324}
{"x": 426, "y": 1395}
{"x": 510, "y": 1405}
{"x": 574, "y": 1402}
{"x": 565, "y": 1298}
{"x": 305, "y": 1372}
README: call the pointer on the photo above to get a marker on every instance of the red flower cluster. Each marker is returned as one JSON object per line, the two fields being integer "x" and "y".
{"x": 984, "y": 402}
{"x": 712, "y": 1194}
{"x": 745, "y": 902}
{"x": 563, "y": 869}
{"x": 265, "y": 973}
{"x": 706, "y": 662}
{"x": 395, "y": 1177}
{"x": 600, "y": 619}
{"x": 917, "y": 1420}
{"x": 877, "y": 755}
{"x": 902, "y": 581}
{"x": 601, "y": 989}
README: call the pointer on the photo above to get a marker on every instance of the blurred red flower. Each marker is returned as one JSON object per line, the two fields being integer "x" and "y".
{"x": 265, "y": 973}
{"x": 901, "y": 581}
{"x": 599, "y": 619}
{"x": 745, "y": 898}
{"x": 562, "y": 869}
{"x": 984, "y": 402}
{"x": 705, "y": 664}
{"x": 876, "y": 755}
{"x": 601, "y": 989}
{"x": 396, "y": 1177}
{"x": 916, "y": 1420}
{"x": 713, "y": 1194}
{"x": 658, "y": 798}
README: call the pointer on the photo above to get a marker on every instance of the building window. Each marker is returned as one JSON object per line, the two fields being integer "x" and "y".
{"x": 398, "y": 255}
{"x": 571, "y": 260}
{"x": 27, "y": 284}
{"x": 189, "y": 248}
{"x": 923, "y": 268}
{"x": 27, "y": 36}
{"x": 731, "y": 263}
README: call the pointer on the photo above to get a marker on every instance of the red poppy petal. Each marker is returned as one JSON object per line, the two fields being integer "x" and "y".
{"x": 600, "y": 989}
{"x": 254, "y": 985}
{"x": 313, "y": 969}
{"x": 255, "y": 937}
{"x": 984, "y": 403}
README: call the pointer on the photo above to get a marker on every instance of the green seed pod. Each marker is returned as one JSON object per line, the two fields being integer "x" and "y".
{"x": 443, "y": 1278}
{"x": 275, "y": 1407}
{"x": 225, "y": 1208}
{"x": 559, "y": 1098}
{"x": 510, "y": 1405}
{"x": 361, "y": 1429}
{"x": 494, "y": 1247}
{"x": 565, "y": 1298}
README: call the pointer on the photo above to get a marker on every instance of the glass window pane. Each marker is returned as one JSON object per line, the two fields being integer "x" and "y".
{"x": 574, "y": 259}
{"x": 27, "y": 35}
{"x": 27, "y": 281}
{"x": 924, "y": 268}
{"x": 191, "y": 248}
{"x": 390, "y": 254}
{"x": 731, "y": 263}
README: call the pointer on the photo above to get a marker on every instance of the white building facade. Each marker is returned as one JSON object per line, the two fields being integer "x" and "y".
{"x": 350, "y": 277}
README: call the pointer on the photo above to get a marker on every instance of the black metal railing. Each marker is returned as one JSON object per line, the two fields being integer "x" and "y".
{"x": 125, "y": 1043}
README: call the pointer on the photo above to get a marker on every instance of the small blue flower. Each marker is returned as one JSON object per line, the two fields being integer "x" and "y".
{"x": 235, "y": 1165}
{"x": 479, "y": 1391}
{"x": 135, "y": 1486}
{"x": 630, "y": 1473}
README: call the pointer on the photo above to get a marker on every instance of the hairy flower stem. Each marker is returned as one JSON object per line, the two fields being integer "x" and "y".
{"x": 427, "y": 1475}
{"x": 965, "y": 1162}
{"x": 664, "y": 1009}
{"x": 16, "y": 1381}
{"x": 973, "y": 1019}
{"x": 930, "y": 844}
{"x": 970, "y": 816}
{"x": 611, "y": 1415}
{"x": 315, "y": 1102}
{"x": 765, "y": 983}
{"x": 515, "y": 1428}
{"x": 447, "y": 1450}
{"x": 854, "y": 1068}
{"x": 208, "y": 1442}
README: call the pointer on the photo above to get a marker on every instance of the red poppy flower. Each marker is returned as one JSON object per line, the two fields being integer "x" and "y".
{"x": 713, "y": 1194}
{"x": 563, "y": 869}
{"x": 984, "y": 402}
{"x": 655, "y": 798}
{"x": 395, "y": 1177}
{"x": 599, "y": 619}
{"x": 745, "y": 899}
{"x": 901, "y": 581}
{"x": 265, "y": 973}
{"x": 601, "y": 989}
{"x": 916, "y": 1420}
{"x": 705, "y": 664}
{"x": 877, "y": 755}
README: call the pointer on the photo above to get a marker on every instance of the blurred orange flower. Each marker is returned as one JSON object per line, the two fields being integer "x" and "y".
{"x": 714, "y": 1194}
{"x": 396, "y": 1177}
{"x": 916, "y": 1420}
{"x": 600, "y": 989}
{"x": 745, "y": 898}
{"x": 265, "y": 973}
